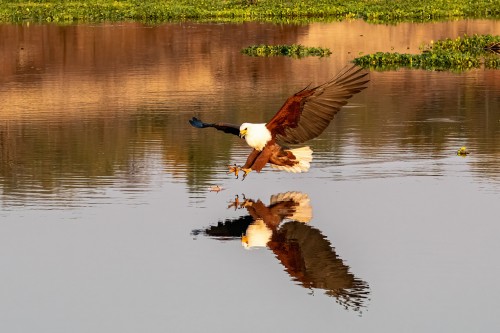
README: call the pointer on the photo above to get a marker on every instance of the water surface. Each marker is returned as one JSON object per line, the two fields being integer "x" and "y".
{"x": 106, "y": 193}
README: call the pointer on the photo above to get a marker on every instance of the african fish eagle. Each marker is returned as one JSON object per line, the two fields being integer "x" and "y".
{"x": 303, "y": 116}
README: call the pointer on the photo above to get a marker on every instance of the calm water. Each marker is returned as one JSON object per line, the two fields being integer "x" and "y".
{"x": 109, "y": 222}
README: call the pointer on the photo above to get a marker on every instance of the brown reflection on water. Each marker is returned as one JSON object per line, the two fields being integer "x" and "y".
{"x": 91, "y": 100}
{"x": 84, "y": 105}
{"x": 122, "y": 66}
{"x": 307, "y": 256}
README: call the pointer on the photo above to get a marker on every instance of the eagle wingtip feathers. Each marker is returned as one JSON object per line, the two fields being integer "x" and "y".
{"x": 195, "y": 122}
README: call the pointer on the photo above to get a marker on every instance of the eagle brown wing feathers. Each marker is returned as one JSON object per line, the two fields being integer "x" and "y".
{"x": 308, "y": 113}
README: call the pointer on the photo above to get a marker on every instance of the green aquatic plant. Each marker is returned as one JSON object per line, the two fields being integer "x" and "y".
{"x": 475, "y": 44}
{"x": 427, "y": 60}
{"x": 462, "y": 151}
{"x": 291, "y": 11}
{"x": 294, "y": 50}
{"x": 458, "y": 54}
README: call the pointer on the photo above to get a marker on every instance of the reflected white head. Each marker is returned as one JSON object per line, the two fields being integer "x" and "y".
{"x": 256, "y": 135}
{"x": 256, "y": 235}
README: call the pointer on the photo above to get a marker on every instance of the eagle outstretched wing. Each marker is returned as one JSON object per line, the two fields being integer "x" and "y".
{"x": 225, "y": 127}
{"x": 308, "y": 113}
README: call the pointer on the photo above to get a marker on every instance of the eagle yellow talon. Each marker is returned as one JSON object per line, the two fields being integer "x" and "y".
{"x": 233, "y": 169}
{"x": 246, "y": 172}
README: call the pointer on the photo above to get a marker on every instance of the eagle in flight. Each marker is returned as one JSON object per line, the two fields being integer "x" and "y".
{"x": 303, "y": 116}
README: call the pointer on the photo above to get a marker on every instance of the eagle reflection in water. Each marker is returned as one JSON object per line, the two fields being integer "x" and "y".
{"x": 308, "y": 257}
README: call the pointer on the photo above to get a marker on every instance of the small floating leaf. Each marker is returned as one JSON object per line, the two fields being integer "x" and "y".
{"x": 462, "y": 151}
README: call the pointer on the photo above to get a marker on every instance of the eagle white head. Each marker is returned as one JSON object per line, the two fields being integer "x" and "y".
{"x": 256, "y": 135}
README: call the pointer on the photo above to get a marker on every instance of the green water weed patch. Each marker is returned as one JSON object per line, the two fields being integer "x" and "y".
{"x": 291, "y": 11}
{"x": 457, "y": 55}
{"x": 294, "y": 51}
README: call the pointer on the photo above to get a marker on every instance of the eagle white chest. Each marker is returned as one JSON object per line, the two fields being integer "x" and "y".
{"x": 257, "y": 135}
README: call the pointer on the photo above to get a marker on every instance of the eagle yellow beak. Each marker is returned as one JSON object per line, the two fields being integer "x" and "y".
{"x": 243, "y": 132}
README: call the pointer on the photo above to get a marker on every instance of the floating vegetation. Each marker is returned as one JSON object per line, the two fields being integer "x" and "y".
{"x": 458, "y": 54}
{"x": 294, "y": 51}
{"x": 475, "y": 44}
{"x": 462, "y": 151}
{"x": 291, "y": 11}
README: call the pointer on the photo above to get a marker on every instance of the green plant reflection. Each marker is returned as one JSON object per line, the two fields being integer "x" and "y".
{"x": 307, "y": 255}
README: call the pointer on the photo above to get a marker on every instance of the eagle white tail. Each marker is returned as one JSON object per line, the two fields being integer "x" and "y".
{"x": 303, "y": 155}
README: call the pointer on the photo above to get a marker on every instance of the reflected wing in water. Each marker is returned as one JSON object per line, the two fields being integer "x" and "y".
{"x": 310, "y": 260}
{"x": 229, "y": 229}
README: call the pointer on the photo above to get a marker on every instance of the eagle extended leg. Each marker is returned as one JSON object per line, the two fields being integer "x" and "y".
{"x": 249, "y": 163}
{"x": 257, "y": 162}
{"x": 246, "y": 168}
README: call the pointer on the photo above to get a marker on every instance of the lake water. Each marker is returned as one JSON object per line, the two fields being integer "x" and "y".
{"x": 109, "y": 221}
